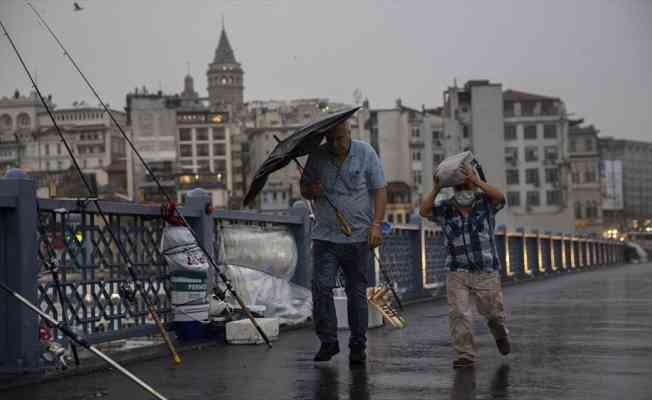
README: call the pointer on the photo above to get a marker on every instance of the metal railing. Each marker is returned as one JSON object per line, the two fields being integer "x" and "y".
{"x": 92, "y": 272}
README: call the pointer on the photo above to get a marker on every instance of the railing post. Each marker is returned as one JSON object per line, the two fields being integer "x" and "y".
{"x": 302, "y": 234}
{"x": 203, "y": 226}
{"x": 19, "y": 341}
{"x": 200, "y": 200}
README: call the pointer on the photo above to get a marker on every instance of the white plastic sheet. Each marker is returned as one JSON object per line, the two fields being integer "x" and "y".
{"x": 290, "y": 303}
{"x": 271, "y": 251}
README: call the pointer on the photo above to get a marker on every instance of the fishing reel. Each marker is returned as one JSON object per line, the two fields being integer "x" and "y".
{"x": 57, "y": 354}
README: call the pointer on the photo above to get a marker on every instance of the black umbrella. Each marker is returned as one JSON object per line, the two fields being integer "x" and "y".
{"x": 305, "y": 140}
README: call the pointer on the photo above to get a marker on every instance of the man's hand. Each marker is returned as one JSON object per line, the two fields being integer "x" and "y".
{"x": 470, "y": 176}
{"x": 375, "y": 236}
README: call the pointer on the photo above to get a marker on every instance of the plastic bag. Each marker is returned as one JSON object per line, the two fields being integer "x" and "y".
{"x": 449, "y": 171}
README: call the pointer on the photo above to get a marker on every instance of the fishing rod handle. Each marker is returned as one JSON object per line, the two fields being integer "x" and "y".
{"x": 164, "y": 334}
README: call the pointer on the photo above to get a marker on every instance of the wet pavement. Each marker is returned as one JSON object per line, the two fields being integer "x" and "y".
{"x": 577, "y": 336}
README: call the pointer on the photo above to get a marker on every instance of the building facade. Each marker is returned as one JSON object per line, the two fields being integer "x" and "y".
{"x": 97, "y": 144}
{"x": 585, "y": 181}
{"x": 186, "y": 144}
{"x": 627, "y": 183}
{"x": 537, "y": 160}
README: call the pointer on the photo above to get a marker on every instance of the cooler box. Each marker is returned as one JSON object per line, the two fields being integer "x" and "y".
{"x": 244, "y": 332}
{"x": 375, "y": 317}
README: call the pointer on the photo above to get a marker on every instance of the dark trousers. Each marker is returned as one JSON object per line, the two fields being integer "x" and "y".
{"x": 353, "y": 258}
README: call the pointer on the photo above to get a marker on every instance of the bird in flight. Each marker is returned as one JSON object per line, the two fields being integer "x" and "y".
{"x": 77, "y": 7}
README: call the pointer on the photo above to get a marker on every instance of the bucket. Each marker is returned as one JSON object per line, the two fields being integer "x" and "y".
{"x": 190, "y": 322}
{"x": 189, "y": 304}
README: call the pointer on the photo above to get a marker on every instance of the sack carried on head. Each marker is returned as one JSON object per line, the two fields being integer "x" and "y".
{"x": 450, "y": 171}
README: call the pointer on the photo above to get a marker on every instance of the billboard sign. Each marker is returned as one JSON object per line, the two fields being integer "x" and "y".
{"x": 611, "y": 172}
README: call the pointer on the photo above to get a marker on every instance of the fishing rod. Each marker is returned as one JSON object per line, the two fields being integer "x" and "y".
{"x": 137, "y": 285}
{"x": 346, "y": 227}
{"x": 223, "y": 277}
{"x": 81, "y": 341}
{"x": 53, "y": 266}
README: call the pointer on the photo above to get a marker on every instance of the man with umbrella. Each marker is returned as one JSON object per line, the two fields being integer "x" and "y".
{"x": 343, "y": 176}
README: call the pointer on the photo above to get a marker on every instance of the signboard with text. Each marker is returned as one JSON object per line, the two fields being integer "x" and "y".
{"x": 611, "y": 172}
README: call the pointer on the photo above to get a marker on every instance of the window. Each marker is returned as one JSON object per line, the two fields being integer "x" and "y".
{"x": 588, "y": 144}
{"x": 572, "y": 146}
{"x": 202, "y": 134}
{"x": 185, "y": 135}
{"x": 47, "y": 149}
{"x": 527, "y": 108}
{"x": 575, "y": 177}
{"x": 58, "y": 148}
{"x": 531, "y": 153}
{"x": 436, "y": 159}
{"x": 530, "y": 132}
{"x": 552, "y": 175}
{"x": 415, "y": 132}
{"x": 533, "y": 199}
{"x": 511, "y": 155}
{"x": 60, "y": 165}
{"x": 185, "y": 150}
{"x": 550, "y": 131}
{"x": 578, "y": 210}
{"x": 202, "y": 150}
{"x": 590, "y": 175}
{"x": 532, "y": 176}
{"x": 219, "y": 133}
{"x": 436, "y": 135}
{"x": 416, "y": 156}
{"x": 514, "y": 199}
{"x": 23, "y": 121}
{"x": 508, "y": 109}
{"x": 219, "y": 149}
{"x": 512, "y": 176}
{"x": 553, "y": 197}
{"x": 418, "y": 177}
{"x": 219, "y": 166}
{"x": 510, "y": 132}
{"x": 551, "y": 154}
{"x": 101, "y": 162}
{"x": 548, "y": 108}
{"x": 465, "y": 131}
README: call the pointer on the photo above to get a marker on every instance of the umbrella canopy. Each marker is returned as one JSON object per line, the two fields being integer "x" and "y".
{"x": 305, "y": 140}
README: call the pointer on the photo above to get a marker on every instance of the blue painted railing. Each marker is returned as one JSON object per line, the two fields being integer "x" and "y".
{"x": 92, "y": 270}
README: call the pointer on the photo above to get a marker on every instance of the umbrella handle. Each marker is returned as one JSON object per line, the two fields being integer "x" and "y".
{"x": 345, "y": 227}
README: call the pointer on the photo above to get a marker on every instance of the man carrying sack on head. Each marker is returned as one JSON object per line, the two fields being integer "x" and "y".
{"x": 350, "y": 173}
{"x": 467, "y": 221}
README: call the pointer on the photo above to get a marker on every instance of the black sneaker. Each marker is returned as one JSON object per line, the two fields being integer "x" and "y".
{"x": 327, "y": 351}
{"x": 357, "y": 357}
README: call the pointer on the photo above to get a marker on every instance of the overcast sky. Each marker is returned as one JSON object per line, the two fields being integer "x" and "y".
{"x": 594, "y": 54}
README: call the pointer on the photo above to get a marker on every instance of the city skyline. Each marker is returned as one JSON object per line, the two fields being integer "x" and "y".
{"x": 384, "y": 52}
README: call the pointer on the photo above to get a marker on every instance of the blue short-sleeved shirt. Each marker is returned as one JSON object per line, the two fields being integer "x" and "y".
{"x": 470, "y": 241}
{"x": 350, "y": 190}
